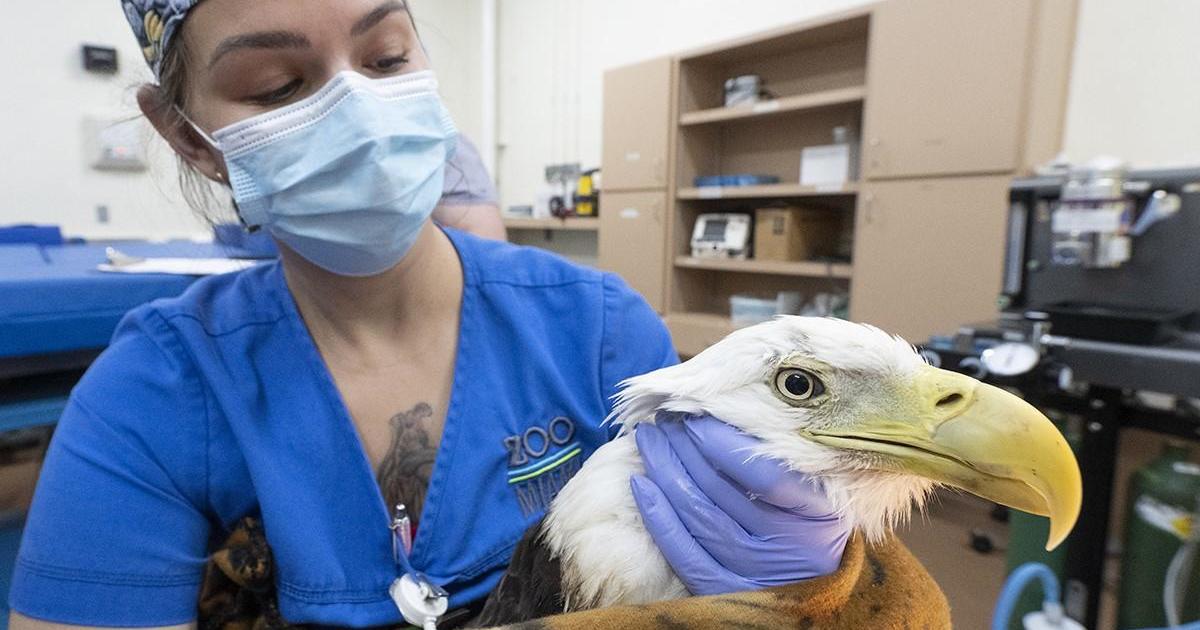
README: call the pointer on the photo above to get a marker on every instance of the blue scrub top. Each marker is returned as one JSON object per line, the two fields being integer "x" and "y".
{"x": 217, "y": 404}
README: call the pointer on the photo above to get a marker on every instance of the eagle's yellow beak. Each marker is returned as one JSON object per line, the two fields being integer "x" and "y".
{"x": 955, "y": 430}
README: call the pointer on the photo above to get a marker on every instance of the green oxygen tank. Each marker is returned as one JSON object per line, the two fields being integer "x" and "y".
{"x": 1164, "y": 497}
{"x": 1027, "y": 536}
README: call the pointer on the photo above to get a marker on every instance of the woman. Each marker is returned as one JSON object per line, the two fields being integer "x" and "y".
{"x": 469, "y": 202}
{"x": 382, "y": 361}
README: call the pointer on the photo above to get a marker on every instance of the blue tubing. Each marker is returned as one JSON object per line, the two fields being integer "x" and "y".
{"x": 1019, "y": 579}
{"x": 1016, "y": 583}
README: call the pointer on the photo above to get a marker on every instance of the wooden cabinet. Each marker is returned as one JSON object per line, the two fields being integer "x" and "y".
{"x": 633, "y": 198}
{"x": 947, "y": 86}
{"x": 637, "y": 101}
{"x": 633, "y": 241}
{"x": 947, "y": 100}
{"x": 928, "y": 253}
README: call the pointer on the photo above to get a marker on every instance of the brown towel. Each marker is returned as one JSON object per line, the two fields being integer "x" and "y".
{"x": 879, "y": 587}
{"x": 238, "y": 592}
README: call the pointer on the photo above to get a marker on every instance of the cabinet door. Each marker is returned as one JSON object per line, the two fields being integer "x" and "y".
{"x": 928, "y": 254}
{"x": 633, "y": 241}
{"x": 637, "y": 119}
{"x": 946, "y": 83}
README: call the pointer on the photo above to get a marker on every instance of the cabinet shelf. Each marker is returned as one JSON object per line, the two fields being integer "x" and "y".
{"x": 841, "y": 271}
{"x": 768, "y": 191}
{"x": 578, "y": 224}
{"x": 774, "y": 107}
{"x": 693, "y": 332}
{"x": 707, "y": 320}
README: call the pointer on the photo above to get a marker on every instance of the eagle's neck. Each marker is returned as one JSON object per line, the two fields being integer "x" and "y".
{"x": 594, "y": 528}
{"x": 595, "y": 531}
{"x": 875, "y": 502}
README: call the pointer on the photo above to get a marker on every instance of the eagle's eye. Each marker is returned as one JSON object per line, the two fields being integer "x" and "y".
{"x": 796, "y": 384}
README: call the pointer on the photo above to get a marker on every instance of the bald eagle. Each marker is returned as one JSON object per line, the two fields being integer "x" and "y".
{"x": 849, "y": 405}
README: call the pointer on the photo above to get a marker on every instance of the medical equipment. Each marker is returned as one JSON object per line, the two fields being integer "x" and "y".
{"x": 1094, "y": 224}
{"x": 1051, "y": 616}
{"x": 1158, "y": 587}
{"x": 721, "y": 235}
{"x": 1095, "y": 333}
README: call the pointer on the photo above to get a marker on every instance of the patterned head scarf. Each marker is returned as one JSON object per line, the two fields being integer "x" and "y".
{"x": 154, "y": 23}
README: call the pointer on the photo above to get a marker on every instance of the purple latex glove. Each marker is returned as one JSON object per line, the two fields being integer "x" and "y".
{"x": 726, "y": 524}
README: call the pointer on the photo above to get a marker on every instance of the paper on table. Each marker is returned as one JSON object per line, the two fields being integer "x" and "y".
{"x": 181, "y": 266}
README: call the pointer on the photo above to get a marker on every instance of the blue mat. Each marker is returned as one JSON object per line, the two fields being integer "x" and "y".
{"x": 53, "y": 299}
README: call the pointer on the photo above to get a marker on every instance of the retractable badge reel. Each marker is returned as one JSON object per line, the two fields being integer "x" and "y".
{"x": 420, "y": 601}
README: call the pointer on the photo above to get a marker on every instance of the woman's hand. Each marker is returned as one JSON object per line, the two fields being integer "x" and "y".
{"x": 726, "y": 524}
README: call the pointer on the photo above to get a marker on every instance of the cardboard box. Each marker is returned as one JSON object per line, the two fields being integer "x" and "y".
{"x": 793, "y": 234}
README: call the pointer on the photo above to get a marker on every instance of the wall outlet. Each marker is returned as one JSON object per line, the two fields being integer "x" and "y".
{"x": 101, "y": 213}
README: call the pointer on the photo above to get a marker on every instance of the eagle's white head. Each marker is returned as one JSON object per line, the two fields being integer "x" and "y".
{"x": 861, "y": 413}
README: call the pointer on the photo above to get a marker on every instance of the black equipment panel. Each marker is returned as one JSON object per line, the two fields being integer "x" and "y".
{"x": 1162, "y": 275}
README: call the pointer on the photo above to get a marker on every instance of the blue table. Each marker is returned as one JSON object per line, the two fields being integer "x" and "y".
{"x": 54, "y": 302}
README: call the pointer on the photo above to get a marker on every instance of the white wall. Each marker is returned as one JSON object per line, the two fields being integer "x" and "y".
{"x": 451, "y": 31}
{"x": 46, "y": 94}
{"x": 43, "y": 177}
{"x": 1134, "y": 92}
{"x": 552, "y": 54}
{"x": 1135, "y": 89}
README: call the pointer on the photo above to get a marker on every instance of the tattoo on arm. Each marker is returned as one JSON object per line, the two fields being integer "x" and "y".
{"x": 404, "y": 473}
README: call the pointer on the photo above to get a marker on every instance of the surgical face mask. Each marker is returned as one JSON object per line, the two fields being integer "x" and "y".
{"x": 348, "y": 176}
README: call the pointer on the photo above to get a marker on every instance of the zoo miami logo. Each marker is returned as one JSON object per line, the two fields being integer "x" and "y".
{"x": 540, "y": 462}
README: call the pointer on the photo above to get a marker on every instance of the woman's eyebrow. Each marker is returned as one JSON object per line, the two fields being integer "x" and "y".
{"x": 263, "y": 39}
{"x": 368, "y": 21}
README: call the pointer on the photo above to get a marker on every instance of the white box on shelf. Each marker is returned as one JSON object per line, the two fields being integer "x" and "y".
{"x": 831, "y": 164}
{"x": 825, "y": 165}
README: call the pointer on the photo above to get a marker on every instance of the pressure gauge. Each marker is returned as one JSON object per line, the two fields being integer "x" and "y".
{"x": 1011, "y": 359}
